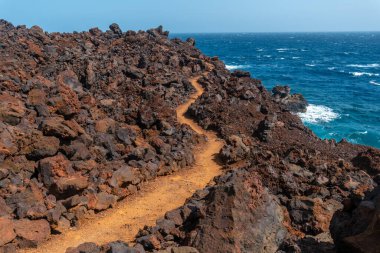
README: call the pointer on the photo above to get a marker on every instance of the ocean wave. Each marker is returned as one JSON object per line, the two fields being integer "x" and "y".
{"x": 318, "y": 114}
{"x": 296, "y": 58}
{"x": 310, "y": 65}
{"x": 374, "y": 83}
{"x": 285, "y": 49}
{"x": 374, "y": 65}
{"x": 358, "y": 74}
{"x": 233, "y": 67}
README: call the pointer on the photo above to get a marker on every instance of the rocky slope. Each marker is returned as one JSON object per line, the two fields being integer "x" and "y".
{"x": 305, "y": 179}
{"x": 86, "y": 117}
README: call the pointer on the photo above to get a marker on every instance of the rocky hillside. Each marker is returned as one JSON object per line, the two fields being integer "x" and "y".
{"x": 86, "y": 118}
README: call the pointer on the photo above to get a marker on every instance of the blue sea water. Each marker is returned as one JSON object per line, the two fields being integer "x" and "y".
{"x": 338, "y": 73}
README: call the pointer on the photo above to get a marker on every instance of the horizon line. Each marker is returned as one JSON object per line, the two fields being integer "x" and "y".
{"x": 229, "y": 32}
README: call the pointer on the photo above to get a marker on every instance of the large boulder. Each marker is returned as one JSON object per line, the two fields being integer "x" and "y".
{"x": 240, "y": 215}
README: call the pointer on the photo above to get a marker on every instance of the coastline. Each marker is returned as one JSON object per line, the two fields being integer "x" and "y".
{"x": 96, "y": 118}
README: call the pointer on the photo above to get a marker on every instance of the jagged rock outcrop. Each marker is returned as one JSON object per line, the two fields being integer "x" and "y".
{"x": 293, "y": 102}
{"x": 238, "y": 214}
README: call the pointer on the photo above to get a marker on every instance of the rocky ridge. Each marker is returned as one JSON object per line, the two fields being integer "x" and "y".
{"x": 85, "y": 119}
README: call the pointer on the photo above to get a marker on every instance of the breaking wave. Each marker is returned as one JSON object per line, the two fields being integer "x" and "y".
{"x": 374, "y": 65}
{"x": 318, "y": 114}
{"x": 233, "y": 67}
{"x": 358, "y": 74}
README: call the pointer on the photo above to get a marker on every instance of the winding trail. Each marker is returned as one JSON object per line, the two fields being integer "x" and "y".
{"x": 151, "y": 202}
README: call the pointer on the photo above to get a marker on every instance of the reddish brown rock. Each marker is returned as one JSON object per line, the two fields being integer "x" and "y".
{"x": 71, "y": 185}
{"x": 65, "y": 101}
{"x": 7, "y": 233}
{"x": 40, "y": 146}
{"x": 101, "y": 201}
{"x": 11, "y": 109}
{"x": 32, "y": 232}
{"x": 57, "y": 126}
{"x": 105, "y": 125}
{"x": 37, "y": 97}
{"x": 58, "y": 175}
{"x": 54, "y": 167}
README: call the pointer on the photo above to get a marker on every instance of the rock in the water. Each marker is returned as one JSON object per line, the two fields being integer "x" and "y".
{"x": 294, "y": 103}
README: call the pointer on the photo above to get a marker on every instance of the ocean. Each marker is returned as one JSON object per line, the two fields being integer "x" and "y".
{"x": 338, "y": 74}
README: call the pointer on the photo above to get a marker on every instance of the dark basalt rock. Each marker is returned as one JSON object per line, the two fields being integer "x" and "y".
{"x": 116, "y": 29}
{"x": 294, "y": 103}
{"x": 241, "y": 73}
{"x": 112, "y": 247}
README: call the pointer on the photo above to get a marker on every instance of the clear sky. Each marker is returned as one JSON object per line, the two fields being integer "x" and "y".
{"x": 181, "y": 16}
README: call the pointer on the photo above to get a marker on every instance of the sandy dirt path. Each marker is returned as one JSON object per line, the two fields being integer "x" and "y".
{"x": 152, "y": 202}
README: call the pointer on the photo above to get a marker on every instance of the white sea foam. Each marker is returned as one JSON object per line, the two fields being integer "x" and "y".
{"x": 374, "y": 83}
{"x": 358, "y": 74}
{"x": 310, "y": 65}
{"x": 285, "y": 49}
{"x": 318, "y": 114}
{"x": 295, "y": 58}
{"x": 233, "y": 67}
{"x": 332, "y": 68}
{"x": 374, "y": 65}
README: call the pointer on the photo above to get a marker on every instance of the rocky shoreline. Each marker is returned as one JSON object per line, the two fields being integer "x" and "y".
{"x": 87, "y": 117}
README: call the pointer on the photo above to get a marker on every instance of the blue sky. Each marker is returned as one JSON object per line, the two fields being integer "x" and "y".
{"x": 180, "y": 16}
